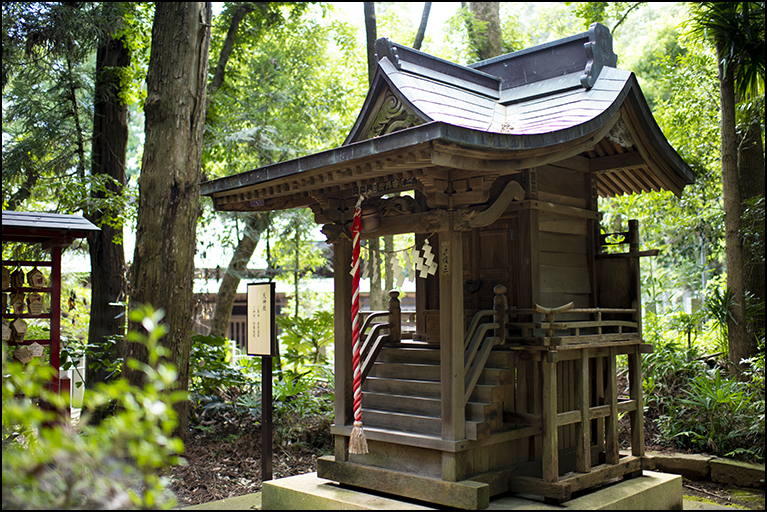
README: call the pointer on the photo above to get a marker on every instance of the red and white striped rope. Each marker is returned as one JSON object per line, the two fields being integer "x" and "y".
{"x": 357, "y": 442}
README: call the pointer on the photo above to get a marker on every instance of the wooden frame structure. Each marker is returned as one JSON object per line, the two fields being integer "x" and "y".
{"x": 509, "y": 381}
{"x": 55, "y": 232}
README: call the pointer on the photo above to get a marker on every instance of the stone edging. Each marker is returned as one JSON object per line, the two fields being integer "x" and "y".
{"x": 706, "y": 467}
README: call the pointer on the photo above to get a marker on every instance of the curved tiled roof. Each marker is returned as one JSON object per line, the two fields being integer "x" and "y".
{"x": 560, "y": 100}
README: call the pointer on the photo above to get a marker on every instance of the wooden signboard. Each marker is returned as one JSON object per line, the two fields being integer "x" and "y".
{"x": 35, "y": 278}
{"x": 35, "y": 303}
{"x": 262, "y": 341}
{"x": 261, "y": 319}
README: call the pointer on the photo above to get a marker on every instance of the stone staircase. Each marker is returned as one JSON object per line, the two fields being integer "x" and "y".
{"x": 402, "y": 392}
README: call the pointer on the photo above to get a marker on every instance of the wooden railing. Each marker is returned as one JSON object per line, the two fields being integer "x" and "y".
{"x": 481, "y": 337}
{"x": 375, "y": 338}
{"x": 564, "y": 332}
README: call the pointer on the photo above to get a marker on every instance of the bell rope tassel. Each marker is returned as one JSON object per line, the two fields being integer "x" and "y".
{"x": 357, "y": 442}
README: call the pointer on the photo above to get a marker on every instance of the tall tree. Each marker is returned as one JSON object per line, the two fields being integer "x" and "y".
{"x": 484, "y": 27}
{"x": 422, "y": 27}
{"x": 737, "y": 32}
{"x": 261, "y": 111}
{"x": 169, "y": 186}
{"x": 109, "y": 146}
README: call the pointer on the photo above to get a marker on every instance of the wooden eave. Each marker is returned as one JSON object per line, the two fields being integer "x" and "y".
{"x": 46, "y": 228}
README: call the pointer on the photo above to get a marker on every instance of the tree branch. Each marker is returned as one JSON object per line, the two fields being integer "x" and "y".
{"x": 422, "y": 27}
{"x": 226, "y": 50}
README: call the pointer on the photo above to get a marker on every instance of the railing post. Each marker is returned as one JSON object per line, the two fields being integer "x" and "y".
{"x": 500, "y": 305}
{"x": 395, "y": 317}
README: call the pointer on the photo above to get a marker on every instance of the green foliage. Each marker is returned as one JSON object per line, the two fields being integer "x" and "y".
{"x": 115, "y": 464}
{"x": 738, "y": 27}
{"x": 695, "y": 405}
{"x": 718, "y": 306}
{"x": 305, "y": 341}
{"x": 48, "y": 81}
{"x": 294, "y": 252}
{"x": 215, "y": 384}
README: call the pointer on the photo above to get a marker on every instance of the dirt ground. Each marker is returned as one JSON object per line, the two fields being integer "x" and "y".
{"x": 224, "y": 461}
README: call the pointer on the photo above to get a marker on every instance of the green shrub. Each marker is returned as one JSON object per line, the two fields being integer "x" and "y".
{"x": 114, "y": 464}
{"x": 217, "y": 386}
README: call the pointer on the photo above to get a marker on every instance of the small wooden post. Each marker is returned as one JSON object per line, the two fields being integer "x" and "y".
{"x": 635, "y": 393}
{"x": 611, "y": 396}
{"x": 549, "y": 420}
{"x": 582, "y": 429}
{"x": 395, "y": 317}
{"x": 500, "y": 305}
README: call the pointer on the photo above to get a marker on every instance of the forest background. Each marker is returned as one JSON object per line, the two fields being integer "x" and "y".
{"x": 285, "y": 80}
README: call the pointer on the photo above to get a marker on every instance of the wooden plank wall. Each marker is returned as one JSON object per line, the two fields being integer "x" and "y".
{"x": 565, "y": 269}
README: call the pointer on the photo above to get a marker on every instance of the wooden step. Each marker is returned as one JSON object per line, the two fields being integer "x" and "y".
{"x": 492, "y": 413}
{"x": 410, "y": 371}
{"x": 406, "y": 387}
{"x": 409, "y": 354}
{"x": 403, "y": 404}
{"x": 488, "y": 394}
{"x": 500, "y": 359}
{"x": 476, "y": 430}
{"x": 496, "y": 376}
{"x": 401, "y": 422}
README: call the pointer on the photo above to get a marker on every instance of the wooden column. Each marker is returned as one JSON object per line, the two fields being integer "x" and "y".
{"x": 529, "y": 284}
{"x": 450, "y": 272}
{"x": 582, "y": 429}
{"x": 611, "y": 424}
{"x": 635, "y": 393}
{"x": 55, "y": 346}
{"x": 550, "y": 444}
{"x": 342, "y": 261}
{"x": 634, "y": 277}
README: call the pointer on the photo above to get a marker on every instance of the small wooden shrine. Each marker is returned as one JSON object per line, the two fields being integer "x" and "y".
{"x": 508, "y": 382}
{"x": 55, "y": 232}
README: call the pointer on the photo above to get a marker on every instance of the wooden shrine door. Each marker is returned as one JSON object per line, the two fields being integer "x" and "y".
{"x": 490, "y": 258}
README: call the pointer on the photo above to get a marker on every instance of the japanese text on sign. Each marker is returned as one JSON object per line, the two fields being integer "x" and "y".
{"x": 260, "y": 319}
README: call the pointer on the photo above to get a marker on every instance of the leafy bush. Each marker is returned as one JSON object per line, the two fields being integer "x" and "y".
{"x": 114, "y": 464}
{"x": 699, "y": 407}
{"x": 305, "y": 341}
{"x": 216, "y": 385}
{"x": 302, "y": 389}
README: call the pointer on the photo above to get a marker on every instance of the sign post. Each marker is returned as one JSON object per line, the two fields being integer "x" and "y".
{"x": 262, "y": 341}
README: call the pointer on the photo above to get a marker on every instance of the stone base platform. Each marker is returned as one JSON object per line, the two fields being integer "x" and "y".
{"x": 651, "y": 491}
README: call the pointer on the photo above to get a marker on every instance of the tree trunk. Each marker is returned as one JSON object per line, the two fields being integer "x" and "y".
{"x": 110, "y": 143}
{"x": 255, "y": 224}
{"x": 377, "y": 302}
{"x": 751, "y": 170}
{"x": 422, "y": 27}
{"x": 370, "y": 32}
{"x": 487, "y": 40}
{"x": 169, "y": 185}
{"x": 732, "y": 208}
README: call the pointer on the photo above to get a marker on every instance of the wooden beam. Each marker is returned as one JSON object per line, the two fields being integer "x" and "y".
{"x": 466, "y": 494}
{"x": 513, "y": 191}
{"x": 616, "y": 162}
